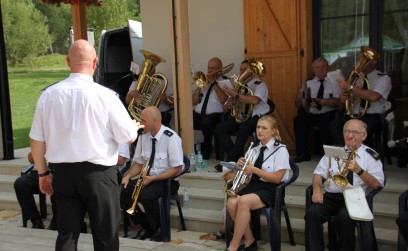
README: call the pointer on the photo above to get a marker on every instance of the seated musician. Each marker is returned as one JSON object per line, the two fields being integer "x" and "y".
{"x": 208, "y": 101}
{"x": 365, "y": 170}
{"x": 243, "y": 129}
{"x": 317, "y": 110}
{"x": 160, "y": 148}
{"x": 270, "y": 168}
{"x": 377, "y": 95}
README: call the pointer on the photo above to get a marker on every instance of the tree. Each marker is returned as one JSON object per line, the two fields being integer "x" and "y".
{"x": 59, "y": 23}
{"x": 112, "y": 14}
{"x": 25, "y": 31}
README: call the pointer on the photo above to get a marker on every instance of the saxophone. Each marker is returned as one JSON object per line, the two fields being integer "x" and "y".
{"x": 239, "y": 109}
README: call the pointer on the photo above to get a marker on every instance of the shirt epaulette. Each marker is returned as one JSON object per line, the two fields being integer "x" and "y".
{"x": 45, "y": 88}
{"x": 225, "y": 77}
{"x": 257, "y": 82}
{"x": 373, "y": 153}
{"x": 168, "y": 133}
{"x": 277, "y": 142}
{"x": 381, "y": 74}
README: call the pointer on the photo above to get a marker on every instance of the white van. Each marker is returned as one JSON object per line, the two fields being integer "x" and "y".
{"x": 117, "y": 49}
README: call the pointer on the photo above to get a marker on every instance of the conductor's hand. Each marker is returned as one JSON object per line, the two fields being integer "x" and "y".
{"x": 138, "y": 125}
{"x": 45, "y": 184}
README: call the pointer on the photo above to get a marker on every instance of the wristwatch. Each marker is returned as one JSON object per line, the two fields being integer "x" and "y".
{"x": 44, "y": 174}
{"x": 236, "y": 96}
{"x": 360, "y": 172}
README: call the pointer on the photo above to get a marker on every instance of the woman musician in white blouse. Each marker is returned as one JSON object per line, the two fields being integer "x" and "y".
{"x": 270, "y": 168}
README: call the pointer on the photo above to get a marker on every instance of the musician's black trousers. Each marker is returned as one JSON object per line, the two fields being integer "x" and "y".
{"x": 86, "y": 187}
{"x": 225, "y": 129}
{"x": 207, "y": 125}
{"x": 304, "y": 122}
{"x": 333, "y": 205}
{"x": 402, "y": 222}
{"x": 148, "y": 197}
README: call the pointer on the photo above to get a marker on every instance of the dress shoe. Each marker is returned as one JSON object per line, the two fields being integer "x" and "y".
{"x": 37, "y": 223}
{"x": 53, "y": 224}
{"x": 218, "y": 167}
{"x": 252, "y": 247}
{"x": 301, "y": 158}
{"x": 142, "y": 231}
{"x": 157, "y": 236}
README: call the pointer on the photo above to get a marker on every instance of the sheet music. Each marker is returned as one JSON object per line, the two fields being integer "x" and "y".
{"x": 335, "y": 152}
{"x": 230, "y": 165}
{"x": 333, "y": 76}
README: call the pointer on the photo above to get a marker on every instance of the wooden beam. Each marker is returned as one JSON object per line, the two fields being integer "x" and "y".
{"x": 79, "y": 21}
{"x": 180, "y": 40}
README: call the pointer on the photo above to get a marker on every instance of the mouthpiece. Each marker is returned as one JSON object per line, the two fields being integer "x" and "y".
{"x": 391, "y": 143}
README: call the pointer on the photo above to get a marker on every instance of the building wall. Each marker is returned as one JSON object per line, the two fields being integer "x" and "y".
{"x": 216, "y": 29}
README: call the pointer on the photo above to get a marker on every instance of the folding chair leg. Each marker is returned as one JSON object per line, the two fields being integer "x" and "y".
{"x": 183, "y": 224}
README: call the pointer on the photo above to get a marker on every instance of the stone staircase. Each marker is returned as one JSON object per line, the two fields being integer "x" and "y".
{"x": 207, "y": 201}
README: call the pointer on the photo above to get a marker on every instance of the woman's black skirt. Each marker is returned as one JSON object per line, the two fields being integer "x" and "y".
{"x": 265, "y": 191}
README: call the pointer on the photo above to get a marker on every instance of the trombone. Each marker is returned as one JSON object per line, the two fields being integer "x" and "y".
{"x": 201, "y": 79}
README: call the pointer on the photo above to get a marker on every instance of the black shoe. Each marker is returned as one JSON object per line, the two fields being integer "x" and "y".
{"x": 301, "y": 158}
{"x": 53, "y": 224}
{"x": 142, "y": 231}
{"x": 157, "y": 236}
{"x": 37, "y": 223}
{"x": 252, "y": 247}
{"x": 218, "y": 167}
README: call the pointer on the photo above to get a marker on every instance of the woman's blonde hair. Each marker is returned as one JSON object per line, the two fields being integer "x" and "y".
{"x": 272, "y": 121}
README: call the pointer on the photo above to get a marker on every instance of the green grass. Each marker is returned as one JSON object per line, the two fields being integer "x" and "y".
{"x": 25, "y": 89}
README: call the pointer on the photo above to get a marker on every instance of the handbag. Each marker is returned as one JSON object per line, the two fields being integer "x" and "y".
{"x": 357, "y": 205}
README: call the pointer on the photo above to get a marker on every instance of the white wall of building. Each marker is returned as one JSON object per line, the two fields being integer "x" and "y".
{"x": 216, "y": 29}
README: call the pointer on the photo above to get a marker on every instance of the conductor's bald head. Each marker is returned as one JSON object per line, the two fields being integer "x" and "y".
{"x": 82, "y": 57}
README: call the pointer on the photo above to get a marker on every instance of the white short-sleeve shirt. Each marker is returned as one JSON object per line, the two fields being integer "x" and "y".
{"x": 81, "y": 120}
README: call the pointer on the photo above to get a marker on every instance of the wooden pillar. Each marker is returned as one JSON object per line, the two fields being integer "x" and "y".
{"x": 79, "y": 21}
{"x": 181, "y": 72}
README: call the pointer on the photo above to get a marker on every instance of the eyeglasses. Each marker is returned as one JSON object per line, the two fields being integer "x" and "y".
{"x": 354, "y": 132}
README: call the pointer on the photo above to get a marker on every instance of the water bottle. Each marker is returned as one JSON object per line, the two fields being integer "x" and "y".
{"x": 199, "y": 160}
{"x": 186, "y": 199}
{"x": 192, "y": 163}
{"x": 197, "y": 147}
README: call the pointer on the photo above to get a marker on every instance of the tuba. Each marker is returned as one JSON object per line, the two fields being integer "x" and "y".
{"x": 355, "y": 107}
{"x": 240, "y": 110}
{"x": 201, "y": 80}
{"x": 138, "y": 187}
{"x": 241, "y": 180}
{"x": 150, "y": 87}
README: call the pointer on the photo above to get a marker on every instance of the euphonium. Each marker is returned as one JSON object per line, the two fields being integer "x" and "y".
{"x": 201, "y": 80}
{"x": 242, "y": 111}
{"x": 241, "y": 180}
{"x": 340, "y": 179}
{"x": 356, "y": 79}
{"x": 150, "y": 87}
{"x": 138, "y": 187}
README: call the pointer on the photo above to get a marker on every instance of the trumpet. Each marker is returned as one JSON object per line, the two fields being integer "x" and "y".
{"x": 241, "y": 180}
{"x": 138, "y": 187}
{"x": 201, "y": 79}
{"x": 340, "y": 179}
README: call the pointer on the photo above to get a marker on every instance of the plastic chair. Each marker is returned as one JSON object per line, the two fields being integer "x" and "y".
{"x": 403, "y": 208}
{"x": 365, "y": 229}
{"x": 41, "y": 196}
{"x": 273, "y": 216}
